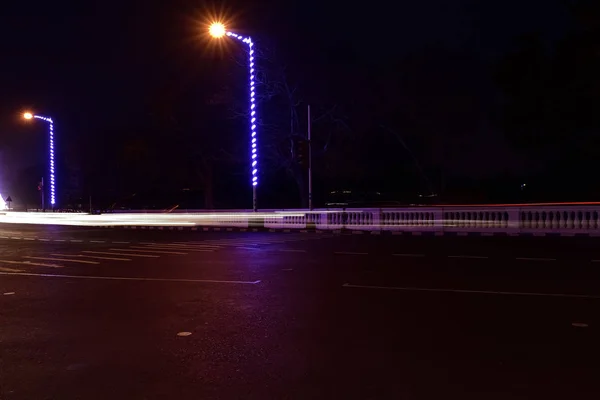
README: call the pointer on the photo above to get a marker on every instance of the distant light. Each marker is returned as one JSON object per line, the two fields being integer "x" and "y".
{"x": 217, "y": 30}
{"x": 28, "y": 115}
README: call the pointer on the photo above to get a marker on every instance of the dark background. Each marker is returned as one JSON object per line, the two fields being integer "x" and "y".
{"x": 465, "y": 99}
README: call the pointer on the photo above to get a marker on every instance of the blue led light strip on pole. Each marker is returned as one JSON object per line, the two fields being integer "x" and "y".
{"x": 252, "y": 114}
{"x": 51, "y": 155}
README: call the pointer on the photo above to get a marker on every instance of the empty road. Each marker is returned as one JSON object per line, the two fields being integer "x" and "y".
{"x": 90, "y": 313}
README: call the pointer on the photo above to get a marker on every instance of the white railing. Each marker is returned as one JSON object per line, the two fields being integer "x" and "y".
{"x": 534, "y": 218}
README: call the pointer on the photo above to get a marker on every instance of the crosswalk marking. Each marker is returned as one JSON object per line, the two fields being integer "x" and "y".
{"x": 121, "y": 254}
{"x": 62, "y": 259}
{"x": 151, "y": 251}
{"x": 94, "y": 257}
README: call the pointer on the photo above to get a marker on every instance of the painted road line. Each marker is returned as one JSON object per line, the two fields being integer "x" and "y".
{"x": 473, "y": 257}
{"x": 16, "y": 238}
{"x": 97, "y": 241}
{"x": 181, "y": 246}
{"x": 503, "y": 293}
{"x": 26, "y": 238}
{"x": 121, "y": 254}
{"x": 353, "y": 253}
{"x": 534, "y": 259}
{"x": 150, "y": 251}
{"x": 177, "y": 248}
{"x": 76, "y": 241}
{"x": 121, "y": 242}
{"x": 94, "y": 257}
{"x": 409, "y": 255}
{"x": 59, "y": 240}
{"x": 44, "y": 240}
{"x": 36, "y": 264}
{"x": 4, "y": 269}
{"x": 247, "y": 248}
{"x": 61, "y": 259}
{"x": 123, "y": 278}
{"x": 4, "y": 237}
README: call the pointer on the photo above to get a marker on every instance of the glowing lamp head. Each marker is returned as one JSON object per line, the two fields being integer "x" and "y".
{"x": 28, "y": 115}
{"x": 217, "y": 30}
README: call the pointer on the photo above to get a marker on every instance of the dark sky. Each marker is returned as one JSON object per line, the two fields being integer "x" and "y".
{"x": 95, "y": 66}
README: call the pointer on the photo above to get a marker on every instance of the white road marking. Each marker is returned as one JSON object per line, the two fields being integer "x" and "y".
{"x": 183, "y": 334}
{"x": 473, "y": 257}
{"x": 61, "y": 259}
{"x": 97, "y": 241}
{"x": 534, "y": 259}
{"x": 4, "y": 237}
{"x": 9, "y": 293}
{"x": 579, "y": 325}
{"x": 415, "y": 289}
{"x": 123, "y": 278}
{"x": 247, "y": 248}
{"x": 16, "y": 238}
{"x": 10, "y": 269}
{"x": 350, "y": 253}
{"x": 59, "y": 240}
{"x": 26, "y": 238}
{"x": 121, "y": 242}
{"x": 44, "y": 240}
{"x": 409, "y": 255}
{"x": 149, "y": 251}
{"x": 121, "y": 254}
{"x": 76, "y": 241}
{"x": 184, "y": 246}
{"x": 173, "y": 248}
{"x": 31, "y": 263}
{"x": 94, "y": 257}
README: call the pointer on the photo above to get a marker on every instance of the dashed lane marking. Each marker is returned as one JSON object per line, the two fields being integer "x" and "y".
{"x": 122, "y": 278}
{"x": 76, "y": 241}
{"x": 27, "y": 238}
{"x": 465, "y": 291}
{"x": 150, "y": 251}
{"x": 94, "y": 257}
{"x": 121, "y": 254}
{"x": 121, "y": 242}
{"x": 97, "y": 241}
{"x": 4, "y": 269}
{"x": 44, "y": 240}
{"x": 173, "y": 248}
{"x": 62, "y": 259}
{"x": 16, "y": 238}
{"x": 36, "y": 264}
{"x": 472, "y": 257}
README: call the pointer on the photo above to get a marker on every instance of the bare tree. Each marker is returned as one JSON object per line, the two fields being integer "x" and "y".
{"x": 283, "y": 119}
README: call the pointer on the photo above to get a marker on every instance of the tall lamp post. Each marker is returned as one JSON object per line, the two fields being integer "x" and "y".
{"x": 29, "y": 116}
{"x": 218, "y": 30}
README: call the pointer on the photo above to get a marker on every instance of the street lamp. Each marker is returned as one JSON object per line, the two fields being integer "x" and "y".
{"x": 29, "y": 116}
{"x": 218, "y": 30}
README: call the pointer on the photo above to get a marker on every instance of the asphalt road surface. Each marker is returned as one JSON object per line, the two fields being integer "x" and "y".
{"x": 116, "y": 314}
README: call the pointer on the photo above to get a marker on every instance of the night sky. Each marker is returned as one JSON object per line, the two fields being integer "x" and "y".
{"x": 100, "y": 68}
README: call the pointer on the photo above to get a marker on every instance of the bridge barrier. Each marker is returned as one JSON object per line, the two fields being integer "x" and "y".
{"x": 563, "y": 219}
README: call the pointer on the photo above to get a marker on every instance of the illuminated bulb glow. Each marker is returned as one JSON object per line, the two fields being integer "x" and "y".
{"x": 251, "y": 105}
{"x": 52, "y": 166}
